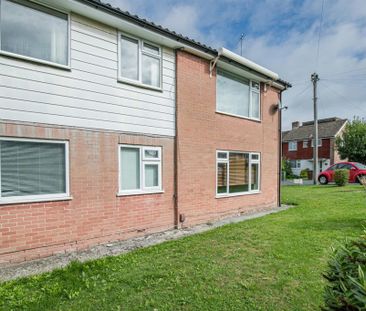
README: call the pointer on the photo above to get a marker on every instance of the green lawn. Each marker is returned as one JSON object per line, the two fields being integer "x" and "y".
{"x": 269, "y": 263}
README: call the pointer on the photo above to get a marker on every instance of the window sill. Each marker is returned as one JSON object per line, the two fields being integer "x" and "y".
{"x": 35, "y": 60}
{"x": 229, "y": 195}
{"x": 34, "y": 199}
{"x": 124, "y": 194}
{"x": 240, "y": 117}
{"x": 138, "y": 84}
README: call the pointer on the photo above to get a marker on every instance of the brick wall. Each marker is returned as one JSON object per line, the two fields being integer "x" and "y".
{"x": 201, "y": 131}
{"x": 301, "y": 153}
{"x": 95, "y": 214}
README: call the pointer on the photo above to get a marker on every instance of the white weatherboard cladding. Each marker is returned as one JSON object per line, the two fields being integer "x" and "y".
{"x": 89, "y": 95}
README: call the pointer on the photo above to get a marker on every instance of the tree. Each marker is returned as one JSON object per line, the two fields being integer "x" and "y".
{"x": 352, "y": 144}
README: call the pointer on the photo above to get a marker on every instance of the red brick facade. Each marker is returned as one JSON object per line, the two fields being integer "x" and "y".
{"x": 202, "y": 131}
{"x": 95, "y": 214}
{"x": 325, "y": 151}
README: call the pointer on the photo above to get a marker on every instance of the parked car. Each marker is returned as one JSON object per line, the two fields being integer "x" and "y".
{"x": 355, "y": 170}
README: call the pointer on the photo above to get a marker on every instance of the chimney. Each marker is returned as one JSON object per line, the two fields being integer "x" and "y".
{"x": 296, "y": 124}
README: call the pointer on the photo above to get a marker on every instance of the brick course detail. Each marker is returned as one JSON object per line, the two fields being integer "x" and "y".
{"x": 201, "y": 131}
{"x": 95, "y": 214}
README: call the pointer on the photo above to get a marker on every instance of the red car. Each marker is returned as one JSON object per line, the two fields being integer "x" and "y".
{"x": 355, "y": 170}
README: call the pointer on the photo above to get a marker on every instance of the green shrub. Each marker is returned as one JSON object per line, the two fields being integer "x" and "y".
{"x": 304, "y": 173}
{"x": 346, "y": 288}
{"x": 341, "y": 177}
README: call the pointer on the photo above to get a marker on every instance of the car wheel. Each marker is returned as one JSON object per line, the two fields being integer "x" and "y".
{"x": 323, "y": 180}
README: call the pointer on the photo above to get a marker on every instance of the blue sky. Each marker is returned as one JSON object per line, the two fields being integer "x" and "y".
{"x": 283, "y": 36}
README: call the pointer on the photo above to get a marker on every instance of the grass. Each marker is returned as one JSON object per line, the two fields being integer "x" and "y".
{"x": 270, "y": 263}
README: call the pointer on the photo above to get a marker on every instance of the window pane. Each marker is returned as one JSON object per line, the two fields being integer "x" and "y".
{"x": 151, "y": 48}
{"x": 255, "y": 177}
{"x": 151, "y": 175}
{"x": 221, "y": 177}
{"x": 222, "y": 155}
{"x": 232, "y": 95}
{"x": 255, "y": 105}
{"x": 130, "y": 168}
{"x": 238, "y": 172}
{"x": 129, "y": 58}
{"x": 151, "y": 154}
{"x": 40, "y": 33}
{"x": 255, "y": 156}
{"x": 150, "y": 70}
{"x": 31, "y": 168}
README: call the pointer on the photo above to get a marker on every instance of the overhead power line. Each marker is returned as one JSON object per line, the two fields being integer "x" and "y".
{"x": 319, "y": 35}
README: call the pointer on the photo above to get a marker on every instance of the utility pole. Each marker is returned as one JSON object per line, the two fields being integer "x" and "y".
{"x": 315, "y": 79}
{"x": 241, "y": 44}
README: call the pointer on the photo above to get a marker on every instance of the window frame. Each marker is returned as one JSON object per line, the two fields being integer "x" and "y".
{"x": 305, "y": 144}
{"x": 227, "y": 162}
{"x": 33, "y": 5}
{"x": 319, "y": 140}
{"x": 143, "y": 162}
{"x": 239, "y": 78}
{"x": 289, "y": 144}
{"x": 141, "y": 52}
{"x": 40, "y": 197}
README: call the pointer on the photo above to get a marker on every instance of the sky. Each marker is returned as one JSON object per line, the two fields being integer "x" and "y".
{"x": 282, "y": 35}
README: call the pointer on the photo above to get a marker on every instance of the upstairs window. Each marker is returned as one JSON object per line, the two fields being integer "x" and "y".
{"x": 319, "y": 142}
{"x": 292, "y": 146}
{"x": 237, "y": 96}
{"x": 34, "y": 31}
{"x": 140, "y": 62}
{"x": 305, "y": 144}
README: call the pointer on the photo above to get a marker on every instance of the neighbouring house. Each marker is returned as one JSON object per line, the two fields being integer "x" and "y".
{"x": 297, "y": 144}
{"x": 113, "y": 127}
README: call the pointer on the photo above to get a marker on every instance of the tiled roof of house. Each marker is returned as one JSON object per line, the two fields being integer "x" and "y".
{"x": 327, "y": 128}
{"x": 159, "y": 29}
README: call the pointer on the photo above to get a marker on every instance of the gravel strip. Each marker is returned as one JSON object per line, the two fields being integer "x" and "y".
{"x": 114, "y": 249}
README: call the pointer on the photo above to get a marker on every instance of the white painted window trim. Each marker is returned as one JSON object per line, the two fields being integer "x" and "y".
{"x": 141, "y": 42}
{"x": 38, "y": 60}
{"x": 251, "y": 90}
{"x": 143, "y": 162}
{"x": 290, "y": 145}
{"x": 320, "y": 143}
{"x": 40, "y": 197}
{"x": 305, "y": 144}
{"x": 251, "y": 161}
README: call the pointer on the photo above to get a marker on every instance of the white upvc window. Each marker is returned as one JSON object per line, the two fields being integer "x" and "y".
{"x": 34, "y": 32}
{"x": 139, "y": 169}
{"x": 140, "y": 62}
{"x": 33, "y": 170}
{"x": 237, "y": 96}
{"x": 305, "y": 144}
{"x": 319, "y": 142}
{"x": 292, "y": 145}
{"x": 237, "y": 173}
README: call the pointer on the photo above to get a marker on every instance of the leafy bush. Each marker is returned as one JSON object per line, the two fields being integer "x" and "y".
{"x": 286, "y": 168}
{"x": 304, "y": 173}
{"x": 346, "y": 288}
{"x": 341, "y": 177}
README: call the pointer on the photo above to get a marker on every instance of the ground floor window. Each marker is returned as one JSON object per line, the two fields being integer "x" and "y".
{"x": 237, "y": 172}
{"x": 33, "y": 169}
{"x": 140, "y": 169}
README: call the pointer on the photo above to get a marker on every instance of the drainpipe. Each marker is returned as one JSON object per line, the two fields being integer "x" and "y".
{"x": 280, "y": 108}
{"x": 175, "y": 196}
